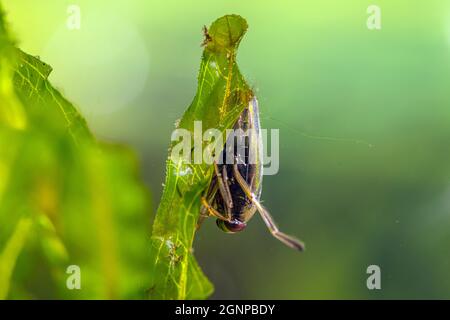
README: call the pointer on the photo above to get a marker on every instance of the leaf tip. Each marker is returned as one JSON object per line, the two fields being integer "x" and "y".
{"x": 225, "y": 33}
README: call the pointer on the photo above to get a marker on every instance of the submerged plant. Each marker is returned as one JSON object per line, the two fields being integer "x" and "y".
{"x": 222, "y": 94}
{"x": 65, "y": 198}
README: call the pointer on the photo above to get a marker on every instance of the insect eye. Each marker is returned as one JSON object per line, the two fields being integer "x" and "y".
{"x": 231, "y": 226}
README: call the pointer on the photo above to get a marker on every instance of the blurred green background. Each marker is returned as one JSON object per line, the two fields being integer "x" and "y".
{"x": 317, "y": 70}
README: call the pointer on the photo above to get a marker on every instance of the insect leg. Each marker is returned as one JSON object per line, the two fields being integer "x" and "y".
{"x": 209, "y": 197}
{"x": 224, "y": 189}
{"x": 267, "y": 218}
{"x": 212, "y": 211}
{"x": 219, "y": 183}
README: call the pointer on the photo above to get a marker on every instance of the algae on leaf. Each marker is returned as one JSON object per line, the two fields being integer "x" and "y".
{"x": 222, "y": 94}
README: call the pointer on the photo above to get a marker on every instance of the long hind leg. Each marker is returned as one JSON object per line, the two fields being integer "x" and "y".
{"x": 267, "y": 218}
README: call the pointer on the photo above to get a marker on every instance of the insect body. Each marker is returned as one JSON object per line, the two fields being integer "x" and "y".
{"x": 234, "y": 193}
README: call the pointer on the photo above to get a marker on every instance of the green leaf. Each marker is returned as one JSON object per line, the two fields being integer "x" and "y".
{"x": 11, "y": 111}
{"x": 8, "y": 256}
{"x": 34, "y": 90}
{"x": 221, "y": 96}
{"x": 82, "y": 199}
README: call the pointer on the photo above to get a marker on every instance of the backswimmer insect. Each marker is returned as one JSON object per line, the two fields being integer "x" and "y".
{"x": 234, "y": 194}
